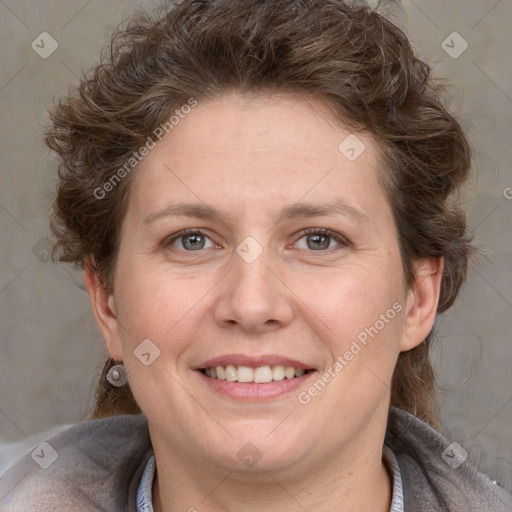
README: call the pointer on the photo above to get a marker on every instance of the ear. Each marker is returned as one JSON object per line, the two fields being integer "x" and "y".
{"x": 422, "y": 300}
{"x": 104, "y": 307}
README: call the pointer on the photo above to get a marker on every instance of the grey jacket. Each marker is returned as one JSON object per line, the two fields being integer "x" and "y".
{"x": 97, "y": 466}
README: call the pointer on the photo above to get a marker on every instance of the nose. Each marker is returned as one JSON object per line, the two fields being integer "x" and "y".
{"x": 254, "y": 297}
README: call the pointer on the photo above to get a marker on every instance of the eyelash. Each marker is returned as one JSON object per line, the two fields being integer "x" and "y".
{"x": 342, "y": 241}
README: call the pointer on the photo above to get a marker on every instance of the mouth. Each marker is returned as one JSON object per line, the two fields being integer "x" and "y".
{"x": 254, "y": 378}
{"x": 259, "y": 375}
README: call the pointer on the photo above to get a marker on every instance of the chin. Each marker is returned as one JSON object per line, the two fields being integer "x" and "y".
{"x": 260, "y": 445}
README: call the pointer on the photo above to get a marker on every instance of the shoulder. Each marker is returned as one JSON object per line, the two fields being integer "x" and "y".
{"x": 95, "y": 465}
{"x": 436, "y": 474}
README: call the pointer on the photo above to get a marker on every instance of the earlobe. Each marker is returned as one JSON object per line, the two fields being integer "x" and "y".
{"x": 422, "y": 301}
{"x": 105, "y": 313}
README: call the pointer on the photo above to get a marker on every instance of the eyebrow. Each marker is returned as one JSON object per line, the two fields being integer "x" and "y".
{"x": 337, "y": 207}
{"x": 296, "y": 211}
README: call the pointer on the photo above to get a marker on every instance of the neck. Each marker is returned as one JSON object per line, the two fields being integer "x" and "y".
{"x": 348, "y": 482}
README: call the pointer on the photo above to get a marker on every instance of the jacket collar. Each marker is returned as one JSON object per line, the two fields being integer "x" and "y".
{"x": 99, "y": 465}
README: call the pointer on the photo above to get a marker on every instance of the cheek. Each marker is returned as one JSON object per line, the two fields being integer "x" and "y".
{"x": 352, "y": 298}
{"x": 158, "y": 304}
{"x": 365, "y": 329}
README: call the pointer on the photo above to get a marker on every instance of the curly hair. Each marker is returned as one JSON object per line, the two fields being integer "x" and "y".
{"x": 353, "y": 58}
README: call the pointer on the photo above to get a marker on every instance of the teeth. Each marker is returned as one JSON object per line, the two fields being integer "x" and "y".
{"x": 278, "y": 372}
{"x": 221, "y": 372}
{"x": 231, "y": 373}
{"x": 245, "y": 374}
{"x": 263, "y": 374}
{"x": 289, "y": 372}
{"x": 260, "y": 375}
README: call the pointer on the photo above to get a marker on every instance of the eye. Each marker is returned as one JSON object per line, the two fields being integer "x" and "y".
{"x": 321, "y": 239}
{"x": 189, "y": 240}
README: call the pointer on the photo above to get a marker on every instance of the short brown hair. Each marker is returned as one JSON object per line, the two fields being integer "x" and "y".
{"x": 351, "y": 57}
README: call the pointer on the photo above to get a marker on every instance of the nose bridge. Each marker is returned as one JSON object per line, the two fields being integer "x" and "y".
{"x": 252, "y": 277}
{"x": 252, "y": 296}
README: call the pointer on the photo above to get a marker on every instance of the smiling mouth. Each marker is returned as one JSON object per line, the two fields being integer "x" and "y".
{"x": 258, "y": 375}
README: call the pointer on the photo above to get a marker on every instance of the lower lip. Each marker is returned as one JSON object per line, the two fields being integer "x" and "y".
{"x": 252, "y": 391}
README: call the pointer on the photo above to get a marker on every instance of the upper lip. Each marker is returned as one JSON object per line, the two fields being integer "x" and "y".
{"x": 253, "y": 361}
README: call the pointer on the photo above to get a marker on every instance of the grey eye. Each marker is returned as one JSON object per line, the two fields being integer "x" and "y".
{"x": 318, "y": 242}
{"x": 189, "y": 241}
{"x": 321, "y": 239}
{"x": 193, "y": 242}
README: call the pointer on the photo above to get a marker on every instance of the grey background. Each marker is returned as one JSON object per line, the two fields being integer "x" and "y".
{"x": 50, "y": 349}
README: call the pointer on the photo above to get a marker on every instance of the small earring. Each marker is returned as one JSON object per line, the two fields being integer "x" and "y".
{"x": 117, "y": 375}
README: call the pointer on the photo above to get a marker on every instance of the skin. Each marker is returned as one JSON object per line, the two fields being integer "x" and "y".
{"x": 249, "y": 157}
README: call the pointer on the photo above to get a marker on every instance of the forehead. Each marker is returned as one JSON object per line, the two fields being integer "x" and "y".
{"x": 241, "y": 149}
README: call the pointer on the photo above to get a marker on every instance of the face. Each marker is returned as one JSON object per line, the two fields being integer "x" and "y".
{"x": 253, "y": 248}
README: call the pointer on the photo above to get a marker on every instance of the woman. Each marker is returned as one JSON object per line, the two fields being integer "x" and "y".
{"x": 263, "y": 196}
